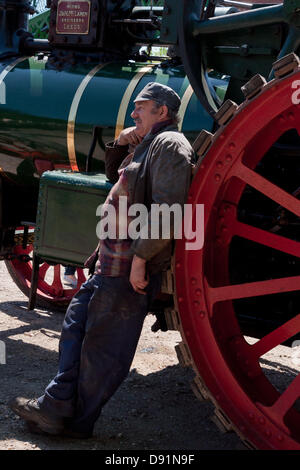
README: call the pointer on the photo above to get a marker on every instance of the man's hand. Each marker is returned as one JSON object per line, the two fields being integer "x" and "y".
{"x": 129, "y": 136}
{"x": 138, "y": 275}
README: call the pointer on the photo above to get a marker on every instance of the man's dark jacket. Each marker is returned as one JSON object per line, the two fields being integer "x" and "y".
{"x": 159, "y": 173}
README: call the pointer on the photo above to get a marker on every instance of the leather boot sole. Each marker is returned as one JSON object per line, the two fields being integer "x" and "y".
{"x": 29, "y": 411}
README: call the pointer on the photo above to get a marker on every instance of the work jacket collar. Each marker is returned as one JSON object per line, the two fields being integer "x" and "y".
{"x": 157, "y": 129}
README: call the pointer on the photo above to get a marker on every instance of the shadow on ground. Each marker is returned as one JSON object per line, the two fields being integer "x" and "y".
{"x": 153, "y": 411}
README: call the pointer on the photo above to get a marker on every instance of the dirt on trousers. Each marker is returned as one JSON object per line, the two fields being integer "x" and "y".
{"x": 154, "y": 408}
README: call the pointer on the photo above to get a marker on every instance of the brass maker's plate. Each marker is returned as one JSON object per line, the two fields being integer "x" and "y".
{"x": 73, "y": 17}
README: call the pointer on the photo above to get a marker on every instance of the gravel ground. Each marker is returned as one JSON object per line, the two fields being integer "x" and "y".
{"x": 153, "y": 409}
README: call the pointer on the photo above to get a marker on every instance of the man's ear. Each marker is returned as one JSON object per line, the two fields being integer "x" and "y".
{"x": 164, "y": 111}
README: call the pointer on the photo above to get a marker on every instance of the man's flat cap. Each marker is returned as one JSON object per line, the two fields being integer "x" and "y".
{"x": 161, "y": 94}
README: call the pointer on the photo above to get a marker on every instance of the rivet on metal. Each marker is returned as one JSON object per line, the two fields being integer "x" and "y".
{"x": 217, "y": 177}
{"x": 198, "y": 291}
{"x": 201, "y": 314}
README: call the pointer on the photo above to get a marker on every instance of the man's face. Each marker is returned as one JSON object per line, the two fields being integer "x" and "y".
{"x": 145, "y": 115}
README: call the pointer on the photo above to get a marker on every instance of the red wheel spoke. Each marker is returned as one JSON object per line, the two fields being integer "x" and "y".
{"x": 50, "y": 290}
{"x": 285, "y": 402}
{"x": 80, "y": 276}
{"x": 43, "y": 269}
{"x": 56, "y": 278}
{"x": 269, "y": 189}
{"x": 253, "y": 289}
{"x": 263, "y": 237}
{"x": 276, "y": 337}
{"x": 57, "y": 284}
{"x": 27, "y": 251}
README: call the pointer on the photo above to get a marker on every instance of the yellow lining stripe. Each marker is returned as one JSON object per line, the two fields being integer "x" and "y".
{"x": 207, "y": 92}
{"x": 73, "y": 113}
{"x": 184, "y": 104}
{"x": 127, "y": 97}
{"x": 10, "y": 67}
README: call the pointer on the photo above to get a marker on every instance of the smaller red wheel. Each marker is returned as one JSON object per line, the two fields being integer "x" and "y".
{"x": 52, "y": 292}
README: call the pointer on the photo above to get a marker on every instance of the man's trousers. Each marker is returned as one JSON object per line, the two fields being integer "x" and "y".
{"x": 99, "y": 337}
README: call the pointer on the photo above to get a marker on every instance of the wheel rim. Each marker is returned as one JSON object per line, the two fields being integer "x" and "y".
{"x": 206, "y": 298}
{"x": 51, "y": 289}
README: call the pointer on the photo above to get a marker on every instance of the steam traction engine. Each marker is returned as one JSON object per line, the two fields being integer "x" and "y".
{"x": 237, "y": 72}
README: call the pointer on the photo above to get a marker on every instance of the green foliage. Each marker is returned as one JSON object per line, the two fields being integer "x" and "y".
{"x": 38, "y": 25}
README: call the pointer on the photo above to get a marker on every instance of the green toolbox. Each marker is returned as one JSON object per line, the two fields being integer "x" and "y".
{"x": 66, "y": 215}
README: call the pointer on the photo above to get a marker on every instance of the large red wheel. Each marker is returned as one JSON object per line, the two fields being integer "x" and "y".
{"x": 249, "y": 184}
{"x": 51, "y": 291}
